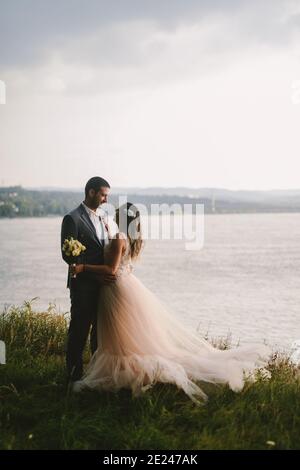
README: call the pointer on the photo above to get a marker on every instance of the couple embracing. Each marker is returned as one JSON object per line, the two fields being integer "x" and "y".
{"x": 135, "y": 340}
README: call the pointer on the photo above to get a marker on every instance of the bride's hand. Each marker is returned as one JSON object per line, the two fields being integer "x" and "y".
{"x": 76, "y": 269}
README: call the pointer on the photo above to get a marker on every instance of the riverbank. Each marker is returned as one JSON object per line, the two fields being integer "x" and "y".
{"x": 37, "y": 411}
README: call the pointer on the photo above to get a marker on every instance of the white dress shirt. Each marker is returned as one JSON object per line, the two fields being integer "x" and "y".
{"x": 97, "y": 221}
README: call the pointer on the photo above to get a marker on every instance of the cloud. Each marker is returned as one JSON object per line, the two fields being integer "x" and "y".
{"x": 30, "y": 28}
{"x": 102, "y": 31}
{"x": 144, "y": 84}
{"x": 133, "y": 45}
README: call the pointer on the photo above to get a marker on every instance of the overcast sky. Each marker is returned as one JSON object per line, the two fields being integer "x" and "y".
{"x": 150, "y": 93}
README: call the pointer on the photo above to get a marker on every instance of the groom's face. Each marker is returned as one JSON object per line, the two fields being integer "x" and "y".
{"x": 101, "y": 196}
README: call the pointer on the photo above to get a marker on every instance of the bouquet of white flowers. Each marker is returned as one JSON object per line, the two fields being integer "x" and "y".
{"x": 73, "y": 247}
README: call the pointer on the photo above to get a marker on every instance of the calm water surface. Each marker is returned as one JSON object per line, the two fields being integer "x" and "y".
{"x": 245, "y": 280}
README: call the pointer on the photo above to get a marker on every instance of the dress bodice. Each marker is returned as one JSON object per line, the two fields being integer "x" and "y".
{"x": 126, "y": 265}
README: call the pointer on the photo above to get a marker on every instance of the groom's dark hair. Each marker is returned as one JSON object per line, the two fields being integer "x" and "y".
{"x": 95, "y": 183}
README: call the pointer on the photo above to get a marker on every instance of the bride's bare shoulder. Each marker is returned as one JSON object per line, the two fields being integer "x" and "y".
{"x": 121, "y": 236}
{"x": 120, "y": 240}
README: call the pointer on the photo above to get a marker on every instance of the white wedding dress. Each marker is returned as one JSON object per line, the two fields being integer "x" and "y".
{"x": 140, "y": 343}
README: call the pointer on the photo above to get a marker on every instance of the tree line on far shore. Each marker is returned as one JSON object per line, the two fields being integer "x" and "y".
{"x": 17, "y": 201}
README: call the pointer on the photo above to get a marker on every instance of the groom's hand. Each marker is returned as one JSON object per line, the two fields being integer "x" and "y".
{"x": 106, "y": 278}
{"x": 109, "y": 278}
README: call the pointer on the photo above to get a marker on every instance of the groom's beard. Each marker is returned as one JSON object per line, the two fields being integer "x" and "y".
{"x": 95, "y": 206}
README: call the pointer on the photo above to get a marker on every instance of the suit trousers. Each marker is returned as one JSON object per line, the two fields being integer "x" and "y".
{"x": 84, "y": 307}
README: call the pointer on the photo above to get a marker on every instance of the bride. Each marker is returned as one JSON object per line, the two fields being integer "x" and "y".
{"x": 139, "y": 340}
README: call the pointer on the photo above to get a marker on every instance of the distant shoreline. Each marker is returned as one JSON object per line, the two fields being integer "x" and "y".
{"x": 17, "y": 202}
{"x": 54, "y": 216}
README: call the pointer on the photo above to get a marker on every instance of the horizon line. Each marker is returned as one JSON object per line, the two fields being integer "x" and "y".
{"x": 193, "y": 188}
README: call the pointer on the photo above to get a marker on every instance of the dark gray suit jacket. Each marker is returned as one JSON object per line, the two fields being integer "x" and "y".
{"x": 77, "y": 224}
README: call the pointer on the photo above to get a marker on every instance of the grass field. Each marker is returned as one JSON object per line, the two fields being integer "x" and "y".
{"x": 38, "y": 411}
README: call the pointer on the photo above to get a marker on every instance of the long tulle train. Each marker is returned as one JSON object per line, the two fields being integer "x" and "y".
{"x": 140, "y": 343}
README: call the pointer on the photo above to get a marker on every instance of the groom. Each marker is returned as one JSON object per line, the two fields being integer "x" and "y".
{"x": 85, "y": 224}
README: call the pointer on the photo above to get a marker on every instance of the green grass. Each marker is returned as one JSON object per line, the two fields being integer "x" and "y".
{"x": 37, "y": 411}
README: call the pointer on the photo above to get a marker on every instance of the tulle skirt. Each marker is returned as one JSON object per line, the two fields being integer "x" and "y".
{"x": 140, "y": 343}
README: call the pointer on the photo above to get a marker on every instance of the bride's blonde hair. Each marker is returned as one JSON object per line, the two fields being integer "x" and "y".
{"x": 132, "y": 227}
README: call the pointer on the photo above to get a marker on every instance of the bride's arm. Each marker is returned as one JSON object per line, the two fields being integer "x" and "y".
{"x": 117, "y": 247}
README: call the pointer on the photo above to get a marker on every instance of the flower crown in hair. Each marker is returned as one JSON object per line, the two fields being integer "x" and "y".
{"x": 130, "y": 212}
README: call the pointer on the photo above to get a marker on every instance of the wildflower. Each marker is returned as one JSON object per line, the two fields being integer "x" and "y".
{"x": 271, "y": 443}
